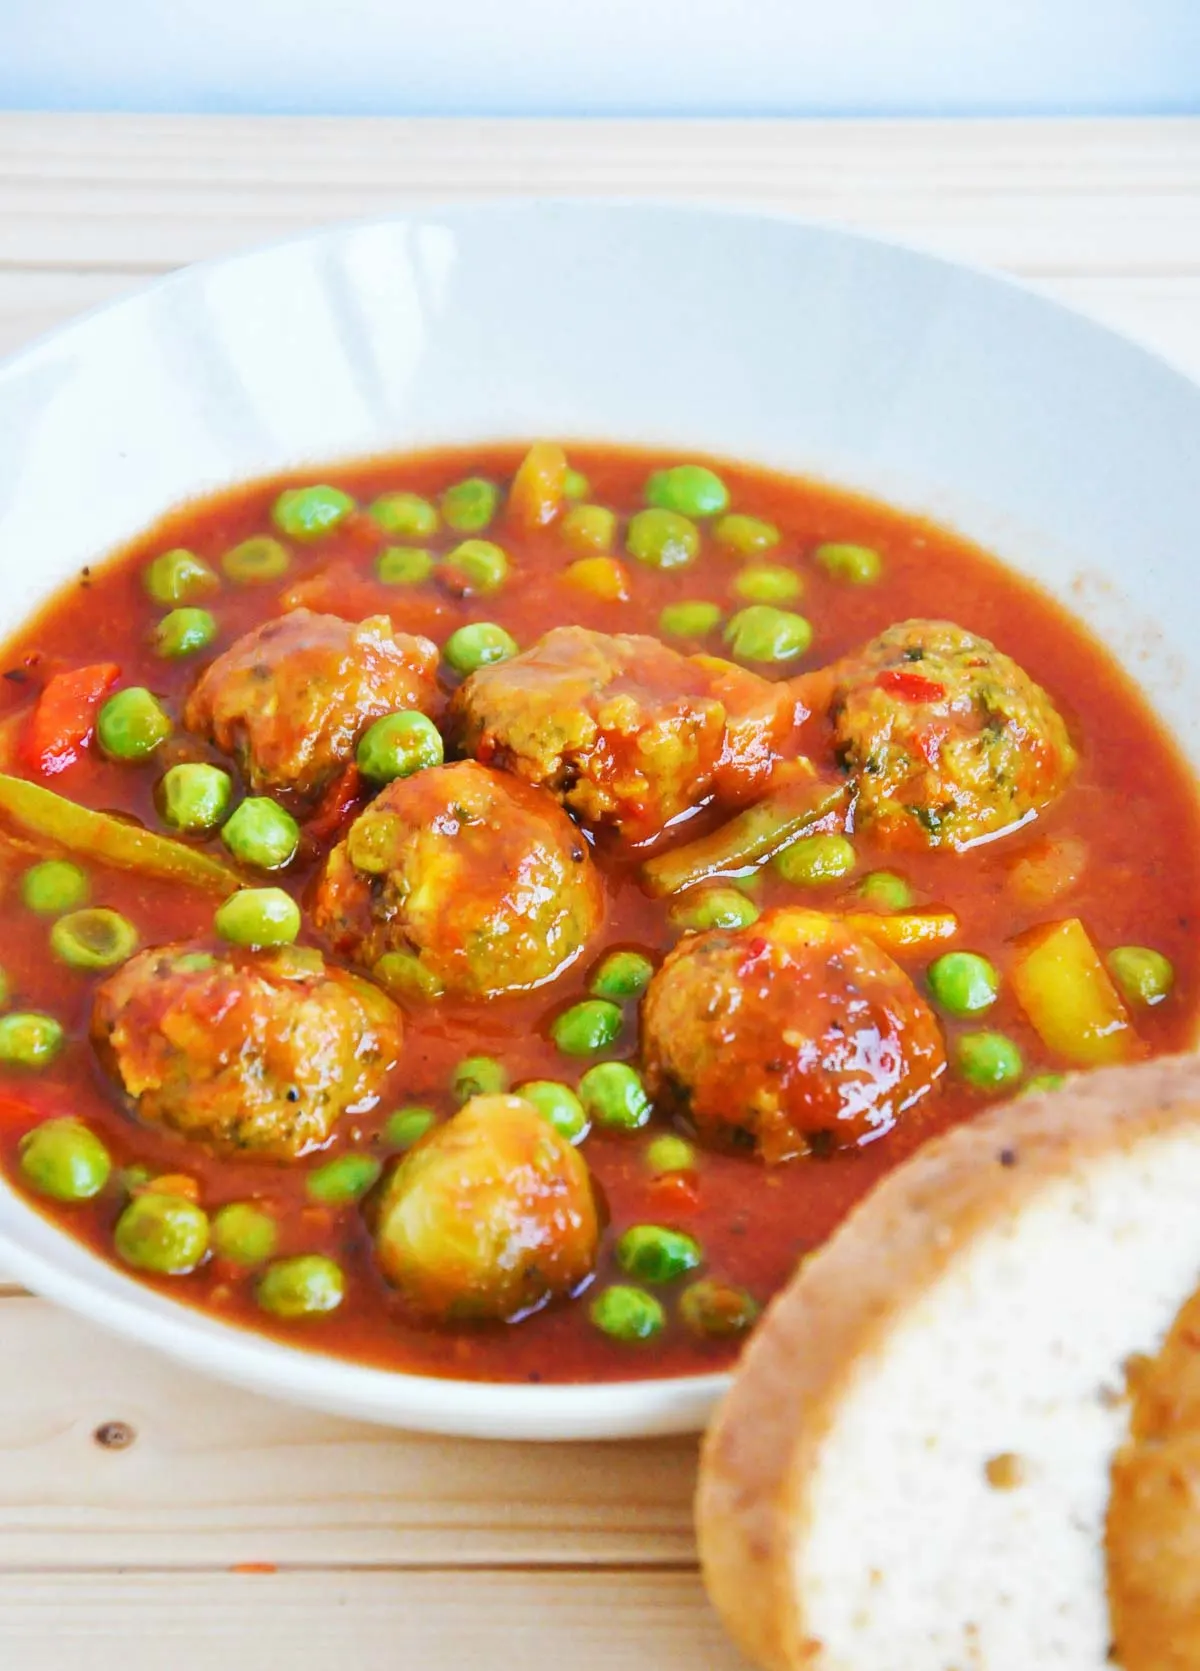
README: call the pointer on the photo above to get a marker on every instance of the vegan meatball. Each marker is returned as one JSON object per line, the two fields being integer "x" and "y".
{"x": 254, "y": 1053}
{"x": 790, "y": 1037}
{"x": 622, "y": 729}
{"x": 291, "y": 699}
{"x": 488, "y": 1216}
{"x": 460, "y": 879}
{"x": 949, "y": 742}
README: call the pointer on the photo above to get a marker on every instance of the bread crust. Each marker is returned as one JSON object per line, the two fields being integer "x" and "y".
{"x": 761, "y": 1449}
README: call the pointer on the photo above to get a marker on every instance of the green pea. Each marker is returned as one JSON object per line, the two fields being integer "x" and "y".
{"x": 164, "y": 1234}
{"x": 964, "y": 983}
{"x": 591, "y": 527}
{"x": 65, "y": 1160}
{"x": 346, "y": 1178}
{"x": 132, "y": 724}
{"x": 1144, "y": 976}
{"x": 476, "y": 568}
{"x": 405, "y": 976}
{"x": 857, "y": 564}
{"x": 194, "y": 796}
{"x": 662, "y": 539}
{"x": 746, "y": 535}
{"x": 29, "y": 1039}
{"x": 883, "y": 890}
{"x": 989, "y": 1060}
{"x": 399, "y": 745}
{"x": 621, "y": 975}
{"x": 406, "y": 515}
{"x": 480, "y": 644}
{"x": 656, "y": 1255}
{"x": 479, "y": 1076}
{"x": 257, "y": 561}
{"x": 309, "y": 513}
{"x": 244, "y": 1234}
{"x": 408, "y": 1126}
{"x": 703, "y": 908}
{"x": 575, "y": 485}
{"x": 95, "y": 938}
{"x": 670, "y": 1153}
{"x": 767, "y": 583}
{"x": 258, "y": 917}
{"x": 690, "y": 489}
{"x": 183, "y": 632}
{"x": 814, "y": 860}
{"x": 404, "y": 565}
{"x": 559, "y": 1105}
{"x": 179, "y": 576}
{"x": 613, "y": 1095}
{"x": 469, "y": 506}
{"x": 762, "y": 633}
{"x": 717, "y": 1310}
{"x": 307, "y": 1285}
{"x": 54, "y": 886}
{"x": 1044, "y": 1082}
{"x": 693, "y": 618}
{"x": 585, "y": 1028}
{"x": 261, "y": 833}
{"x": 627, "y": 1313}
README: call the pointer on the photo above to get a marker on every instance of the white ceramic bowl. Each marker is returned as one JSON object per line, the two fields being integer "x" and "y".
{"x": 1072, "y": 453}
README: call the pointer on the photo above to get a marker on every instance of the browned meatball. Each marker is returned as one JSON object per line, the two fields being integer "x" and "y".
{"x": 622, "y": 729}
{"x": 948, "y": 740}
{"x": 252, "y": 1052}
{"x": 789, "y": 1037}
{"x": 489, "y": 1216}
{"x": 291, "y": 698}
{"x": 460, "y": 879}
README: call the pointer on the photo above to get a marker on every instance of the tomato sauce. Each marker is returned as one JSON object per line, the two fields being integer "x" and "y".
{"x": 1131, "y": 804}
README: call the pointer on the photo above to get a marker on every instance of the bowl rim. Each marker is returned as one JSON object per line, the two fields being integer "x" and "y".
{"x": 618, "y": 1409}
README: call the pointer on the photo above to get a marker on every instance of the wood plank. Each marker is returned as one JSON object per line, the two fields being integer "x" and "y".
{"x": 352, "y": 1621}
{"x": 216, "y": 1476}
{"x": 1036, "y": 196}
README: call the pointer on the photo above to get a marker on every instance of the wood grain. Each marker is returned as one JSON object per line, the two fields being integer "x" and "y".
{"x": 397, "y": 1550}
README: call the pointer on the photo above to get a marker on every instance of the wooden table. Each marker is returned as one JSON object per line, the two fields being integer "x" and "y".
{"x": 139, "y": 1504}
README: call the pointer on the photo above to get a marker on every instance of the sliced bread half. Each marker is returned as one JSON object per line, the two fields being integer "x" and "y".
{"x": 913, "y": 1468}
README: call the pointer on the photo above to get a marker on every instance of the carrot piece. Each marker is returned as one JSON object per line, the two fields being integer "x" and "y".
{"x": 65, "y": 716}
{"x": 605, "y": 577}
{"x": 903, "y": 931}
{"x": 1062, "y": 985}
{"x": 536, "y": 495}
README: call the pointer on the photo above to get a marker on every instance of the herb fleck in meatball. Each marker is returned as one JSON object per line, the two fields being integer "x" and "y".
{"x": 948, "y": 740}
{"x": 291, "y": 698}
{"x": 489, "y": 1216}
{"x": 789, "y": 1037}
{"x": 622, "y": 729}
{"x": 461, "y": 879}
{"x": 260, "y": 1053}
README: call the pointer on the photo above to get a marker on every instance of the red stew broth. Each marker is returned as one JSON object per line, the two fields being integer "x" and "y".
{"x": 1132, "y": 802}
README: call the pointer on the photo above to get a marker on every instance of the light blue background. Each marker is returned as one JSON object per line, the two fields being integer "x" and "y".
{"x": 631, "y": 57}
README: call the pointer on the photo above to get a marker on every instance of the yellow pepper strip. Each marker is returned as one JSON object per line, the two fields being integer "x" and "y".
{"x": 603, "y": 577}
{"x": 1065, "y": 990}
{"x": 748, "y": 839}
{"x": 96, "y": 835}
{"x": 536, "y": 495}
{"x": 903, "y": 931}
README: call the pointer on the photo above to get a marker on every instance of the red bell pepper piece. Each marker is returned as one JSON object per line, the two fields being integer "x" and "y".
{"x": 913, "y": 687}
{"x": 65, "y": 717}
